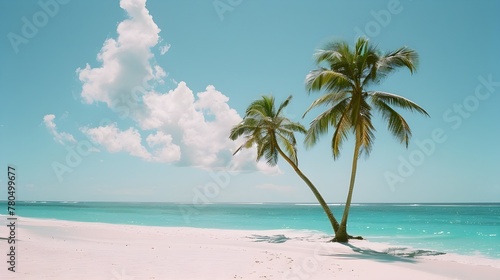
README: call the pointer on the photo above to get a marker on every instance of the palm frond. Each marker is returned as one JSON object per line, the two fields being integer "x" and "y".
{"x": 263, "y": 107}
{"x": 267, "y": 128}
{"x": 331, "y": 98}
{"x": 365, "y": 130}
{"x": 247, "y": 126}
{"x": 350, "y": 71}
{"x": 270, "y": 152}
{"x": 325, "y": 79}
{"x": 294, "y": 127}
{"x": 333, "y": 52}
{"x": 289, "y": 142}
{"x": 402, "y": 57}
{"x": 396, "y": 124}
{"x": 397, "y": 100}
{"x": 343, "y": 126}
{"x": 283, "y": 105}
{"x": 248, "y": 144}
{"x": 322, "y": 122}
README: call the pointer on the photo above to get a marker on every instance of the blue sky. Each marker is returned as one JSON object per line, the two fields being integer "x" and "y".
{"x": 133, "y": 101}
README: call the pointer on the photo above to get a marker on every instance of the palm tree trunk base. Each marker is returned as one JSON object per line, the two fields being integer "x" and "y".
{"x": 348, "y": 237}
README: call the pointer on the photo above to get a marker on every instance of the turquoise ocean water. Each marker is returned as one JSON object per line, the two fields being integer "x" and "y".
{"x": 467, "y": 229}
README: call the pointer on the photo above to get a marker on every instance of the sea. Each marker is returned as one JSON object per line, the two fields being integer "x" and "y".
{"x": 466, "y": 228}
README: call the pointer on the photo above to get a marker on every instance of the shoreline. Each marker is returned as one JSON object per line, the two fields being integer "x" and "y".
{"x": 58, "y": 249}
{"x": 396, "y": 244}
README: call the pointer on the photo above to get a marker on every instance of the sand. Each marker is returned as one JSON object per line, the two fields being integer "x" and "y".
{"x": 54, "y": 249}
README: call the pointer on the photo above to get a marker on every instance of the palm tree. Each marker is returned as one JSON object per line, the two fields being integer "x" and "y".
{"x": 345, "y": 80}
{"x": 273, "y": 134}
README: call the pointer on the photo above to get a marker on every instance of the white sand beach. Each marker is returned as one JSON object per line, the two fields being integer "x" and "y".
{"x": 53, "y": 249}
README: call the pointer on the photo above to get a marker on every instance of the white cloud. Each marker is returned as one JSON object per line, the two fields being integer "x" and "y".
{"x": 166, "y": 110}
{"x": 130, "y": 141}
{"x": 179, "y": 111}
{"x": 164, "y": 49}
{"x": 115, "y": 140}
{"x": 186, "y": 129}
{"x": 60, "y": 137}
{"x": 200, "y": 125}
{"x": 159, "y": 74}
{"x": 125, "y": 61}
{"x": 165, "y": 151}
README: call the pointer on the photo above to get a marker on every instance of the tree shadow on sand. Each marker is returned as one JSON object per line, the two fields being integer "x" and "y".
{"x": 278, "y": 238}
{"x": 398, "y": 254}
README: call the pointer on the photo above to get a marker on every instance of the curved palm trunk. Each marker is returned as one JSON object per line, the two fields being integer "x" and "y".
{"x": 341, "y": 235}
{"x": 322, "y": 202}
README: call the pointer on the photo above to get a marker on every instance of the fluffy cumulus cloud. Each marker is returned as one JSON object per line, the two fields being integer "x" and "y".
{"x": 165, "y": 150}
{"x": 60, "y": 137}
{"x": 130, "y": 141}
{"x": 201, "y": 124}
{"x": 115, "y": 140}
{"x": 125, "y": 61}
{"x": 181, "y": 127}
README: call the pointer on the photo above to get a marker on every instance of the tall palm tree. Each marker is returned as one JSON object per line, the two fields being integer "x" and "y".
{"x": 345, "y": 80}
{"x": 273, "y": 134}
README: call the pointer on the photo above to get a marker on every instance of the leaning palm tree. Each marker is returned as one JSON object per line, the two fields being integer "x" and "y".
{"x": 345, "y": 80}
{"x": 273, "y": 134}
